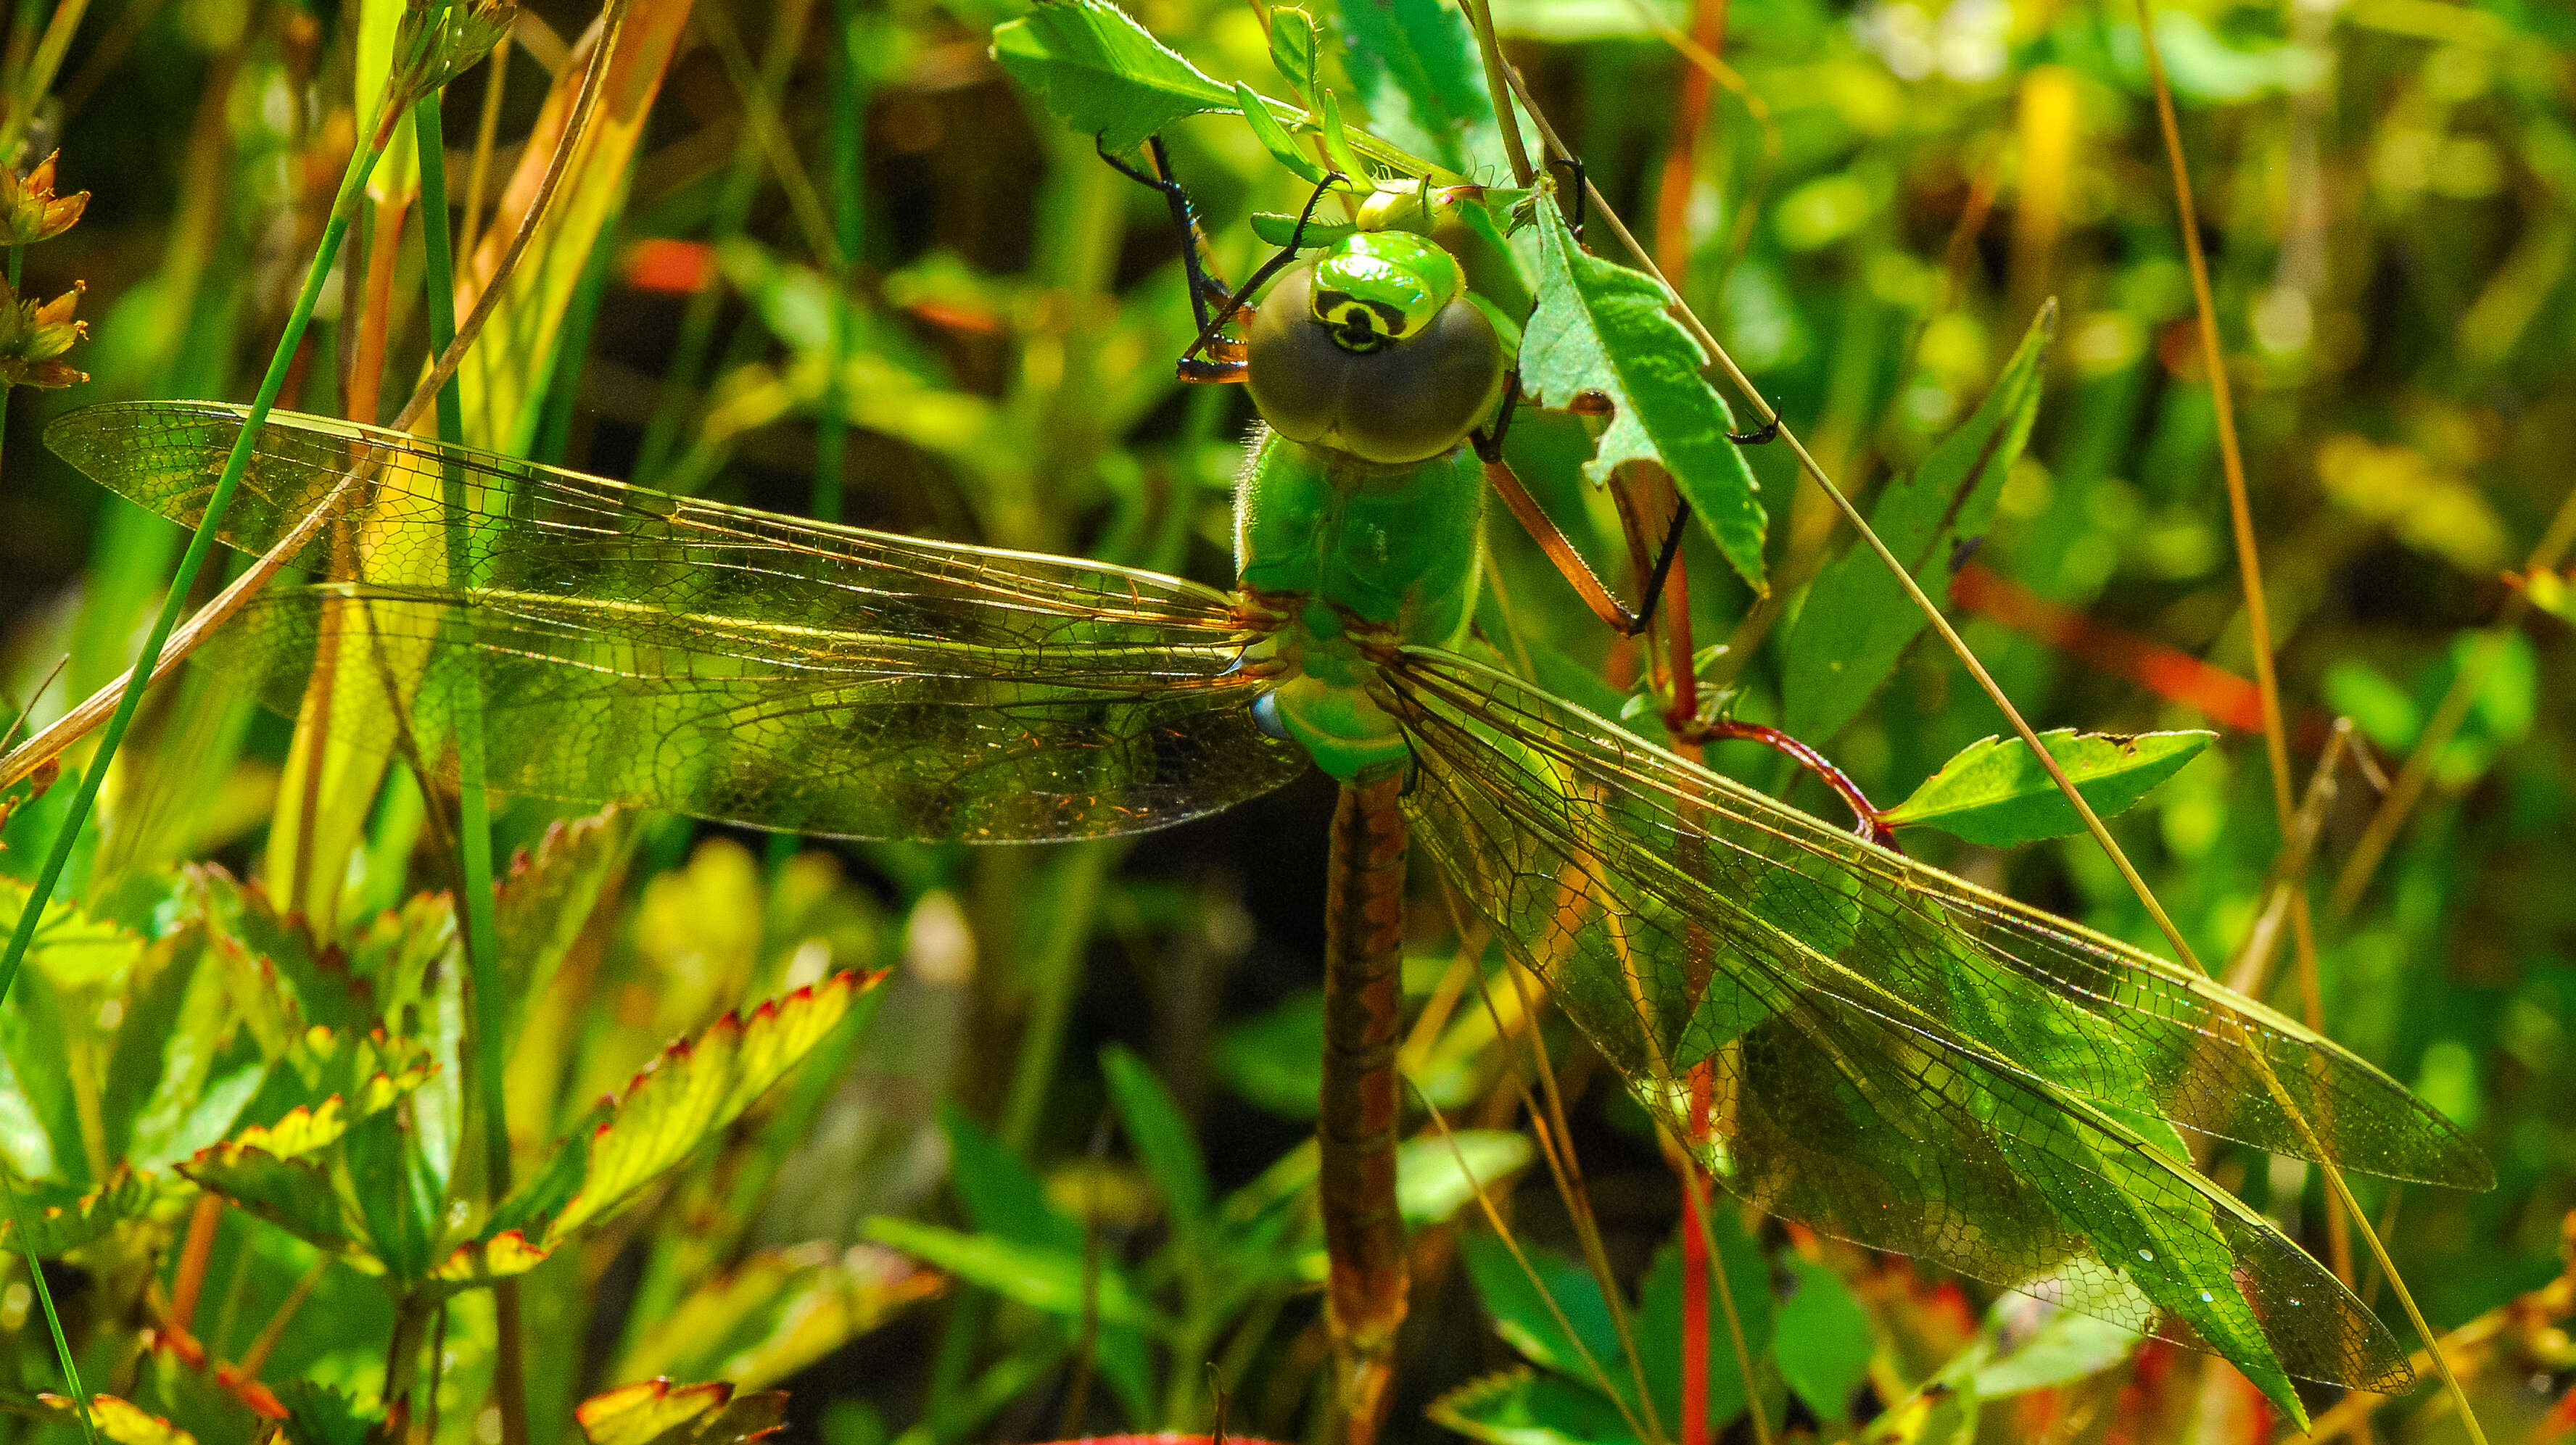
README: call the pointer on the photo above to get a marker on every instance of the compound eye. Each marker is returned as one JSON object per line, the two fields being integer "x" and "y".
{"x": 1380, "y": 287}
{"x": 1265, "y": 716}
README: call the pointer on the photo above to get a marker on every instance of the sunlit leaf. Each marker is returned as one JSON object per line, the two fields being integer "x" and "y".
{"x": 319, "y": 1415}
{"x": 777, "y": 1312}
{"x": 547, "y": 897}
{"x": 76, "y": 950}
{"x": 1160, "y": 1135}
{"x": 1102, "y": 74}
{"x": 1519, "y": 1305}
{"x": 1607, "y": 329}
{"x": 1292, "y": 49}
{"x": 1275, "y": 139}
{"x": 1995, "y": 792}
{"x": 121, "y": 1421}
{"x": 1824, "y": 1341}
{"x": 58, "y": 1222}
{"x": 696, "y": 1088}
{"x": 296, "y": 1195}
{"x": 1416, "y": 67}
{"x": 1528, "y": 1407}
{"x": 1858, "y": 620}
{"x": 1059, "y": 1282}
{"x": 656, "y": 1412}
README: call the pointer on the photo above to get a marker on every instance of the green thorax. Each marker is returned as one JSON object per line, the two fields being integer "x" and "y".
{"x": 1352, "y": 559}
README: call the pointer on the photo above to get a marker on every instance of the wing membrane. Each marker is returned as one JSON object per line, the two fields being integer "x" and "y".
{"x": 713, "y": 660}
{"x": 1891, "y": 1053}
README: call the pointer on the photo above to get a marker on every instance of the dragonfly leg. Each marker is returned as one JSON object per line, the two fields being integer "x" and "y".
{"x": 1866, "y": 814}
{"x": 1552, "y": 540}
{"x": 1205, "y": 289}
{"x": 1238, "y": 302}
{"x": 1358, "y": 1126}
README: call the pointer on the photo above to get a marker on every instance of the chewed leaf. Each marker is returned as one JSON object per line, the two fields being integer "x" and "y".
{"x": 72, "y": 947}
{"x": 296, "y": 1196}
{"x": 1526, "y": 1407}
{"x": 697, "y": 1087}
{"x": 1102, "y": 73}
{"x": 657, "y": 1412}
{"x": 1995, "y": 792}
{"x": 63, "y": 1225}
{"x": 1606, "y": 329}
{"x": 546, "y": 899}
{"x": 779, "y": 1311}
{"x": 481, "y": 1261}
{"x": 120, "y": 1421}
{"x": 320, "y": 1415}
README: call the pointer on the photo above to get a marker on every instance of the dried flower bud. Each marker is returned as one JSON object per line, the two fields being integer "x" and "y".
{"x": 29, "y": 209}
{"x": 34, "y": 335}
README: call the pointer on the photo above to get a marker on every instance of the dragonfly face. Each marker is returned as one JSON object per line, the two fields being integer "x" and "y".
{"x": 1374, "y": 349}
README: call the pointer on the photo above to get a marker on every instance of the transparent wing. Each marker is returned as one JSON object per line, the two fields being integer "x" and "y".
{"x": 1893, "y": 1054}
{"x": 714, "y": 660}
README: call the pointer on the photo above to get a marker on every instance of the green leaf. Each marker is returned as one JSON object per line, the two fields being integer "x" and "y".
{"x": 1418, "y": 73}
{"x": 1822, "y": 1341}
{"x": 545, "y": 901}
{"x": 696, "y": 1088}
{"x": 1524, "y": 1407}
{"x": 2030, "y": 1344}
{"x": 320, "y": 1415}
{"x": 1995, "y": 792}
{"x": 1337, "y": 139}
{"x": 1431, "y": 1184}
{"x": 1164, "y": 1142}
{"x": 1659, "y": 1323}
{"x": 777, "y": 1312}
{"x": 1278, "y": 230}
{"x": 1054, "y": 1281}
{"x": 1605, "y": 328}
{"x": 1519, "y": 1306}
{"x": 120, "y": 1422}
{"x": 398, "y": 1196}
{"x": 657, "y": 1412}
{"x": 59, "y": 1221}
{"x": 76, "y": 950}
{"x": 1102, "y": 74}
{"x": 1274, "y": 1059}
{"x": 1275, "y": 139}
{"x": 1858, "y": 621}
{"x": 1000, "y": 1194}
{"x": 296, "y": 1195}
{"x": 1293, "y": 50}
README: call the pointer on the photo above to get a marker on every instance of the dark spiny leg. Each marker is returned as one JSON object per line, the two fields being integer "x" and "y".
{"x": 1233, "y": 305}
{"x": 1204, "y": 288}
{"x": 1574, "y": 218}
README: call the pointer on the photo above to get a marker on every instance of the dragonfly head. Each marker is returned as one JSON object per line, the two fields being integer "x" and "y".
{"x": 1375, "y": 349}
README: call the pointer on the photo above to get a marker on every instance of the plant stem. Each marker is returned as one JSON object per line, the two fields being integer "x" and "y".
{"x": 732, "y": 211}
{"x": 849, "y": 119}
{"x": 473, "y": 802}
{"x": 192, "y": 562}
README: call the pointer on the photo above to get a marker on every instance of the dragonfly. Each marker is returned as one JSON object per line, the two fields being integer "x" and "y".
{"x": 1844, "y": 1036}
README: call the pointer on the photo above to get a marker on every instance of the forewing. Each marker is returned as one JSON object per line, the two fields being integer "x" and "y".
{"x": 1857, "y": 1060}
{"x": 718, "y": 661}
